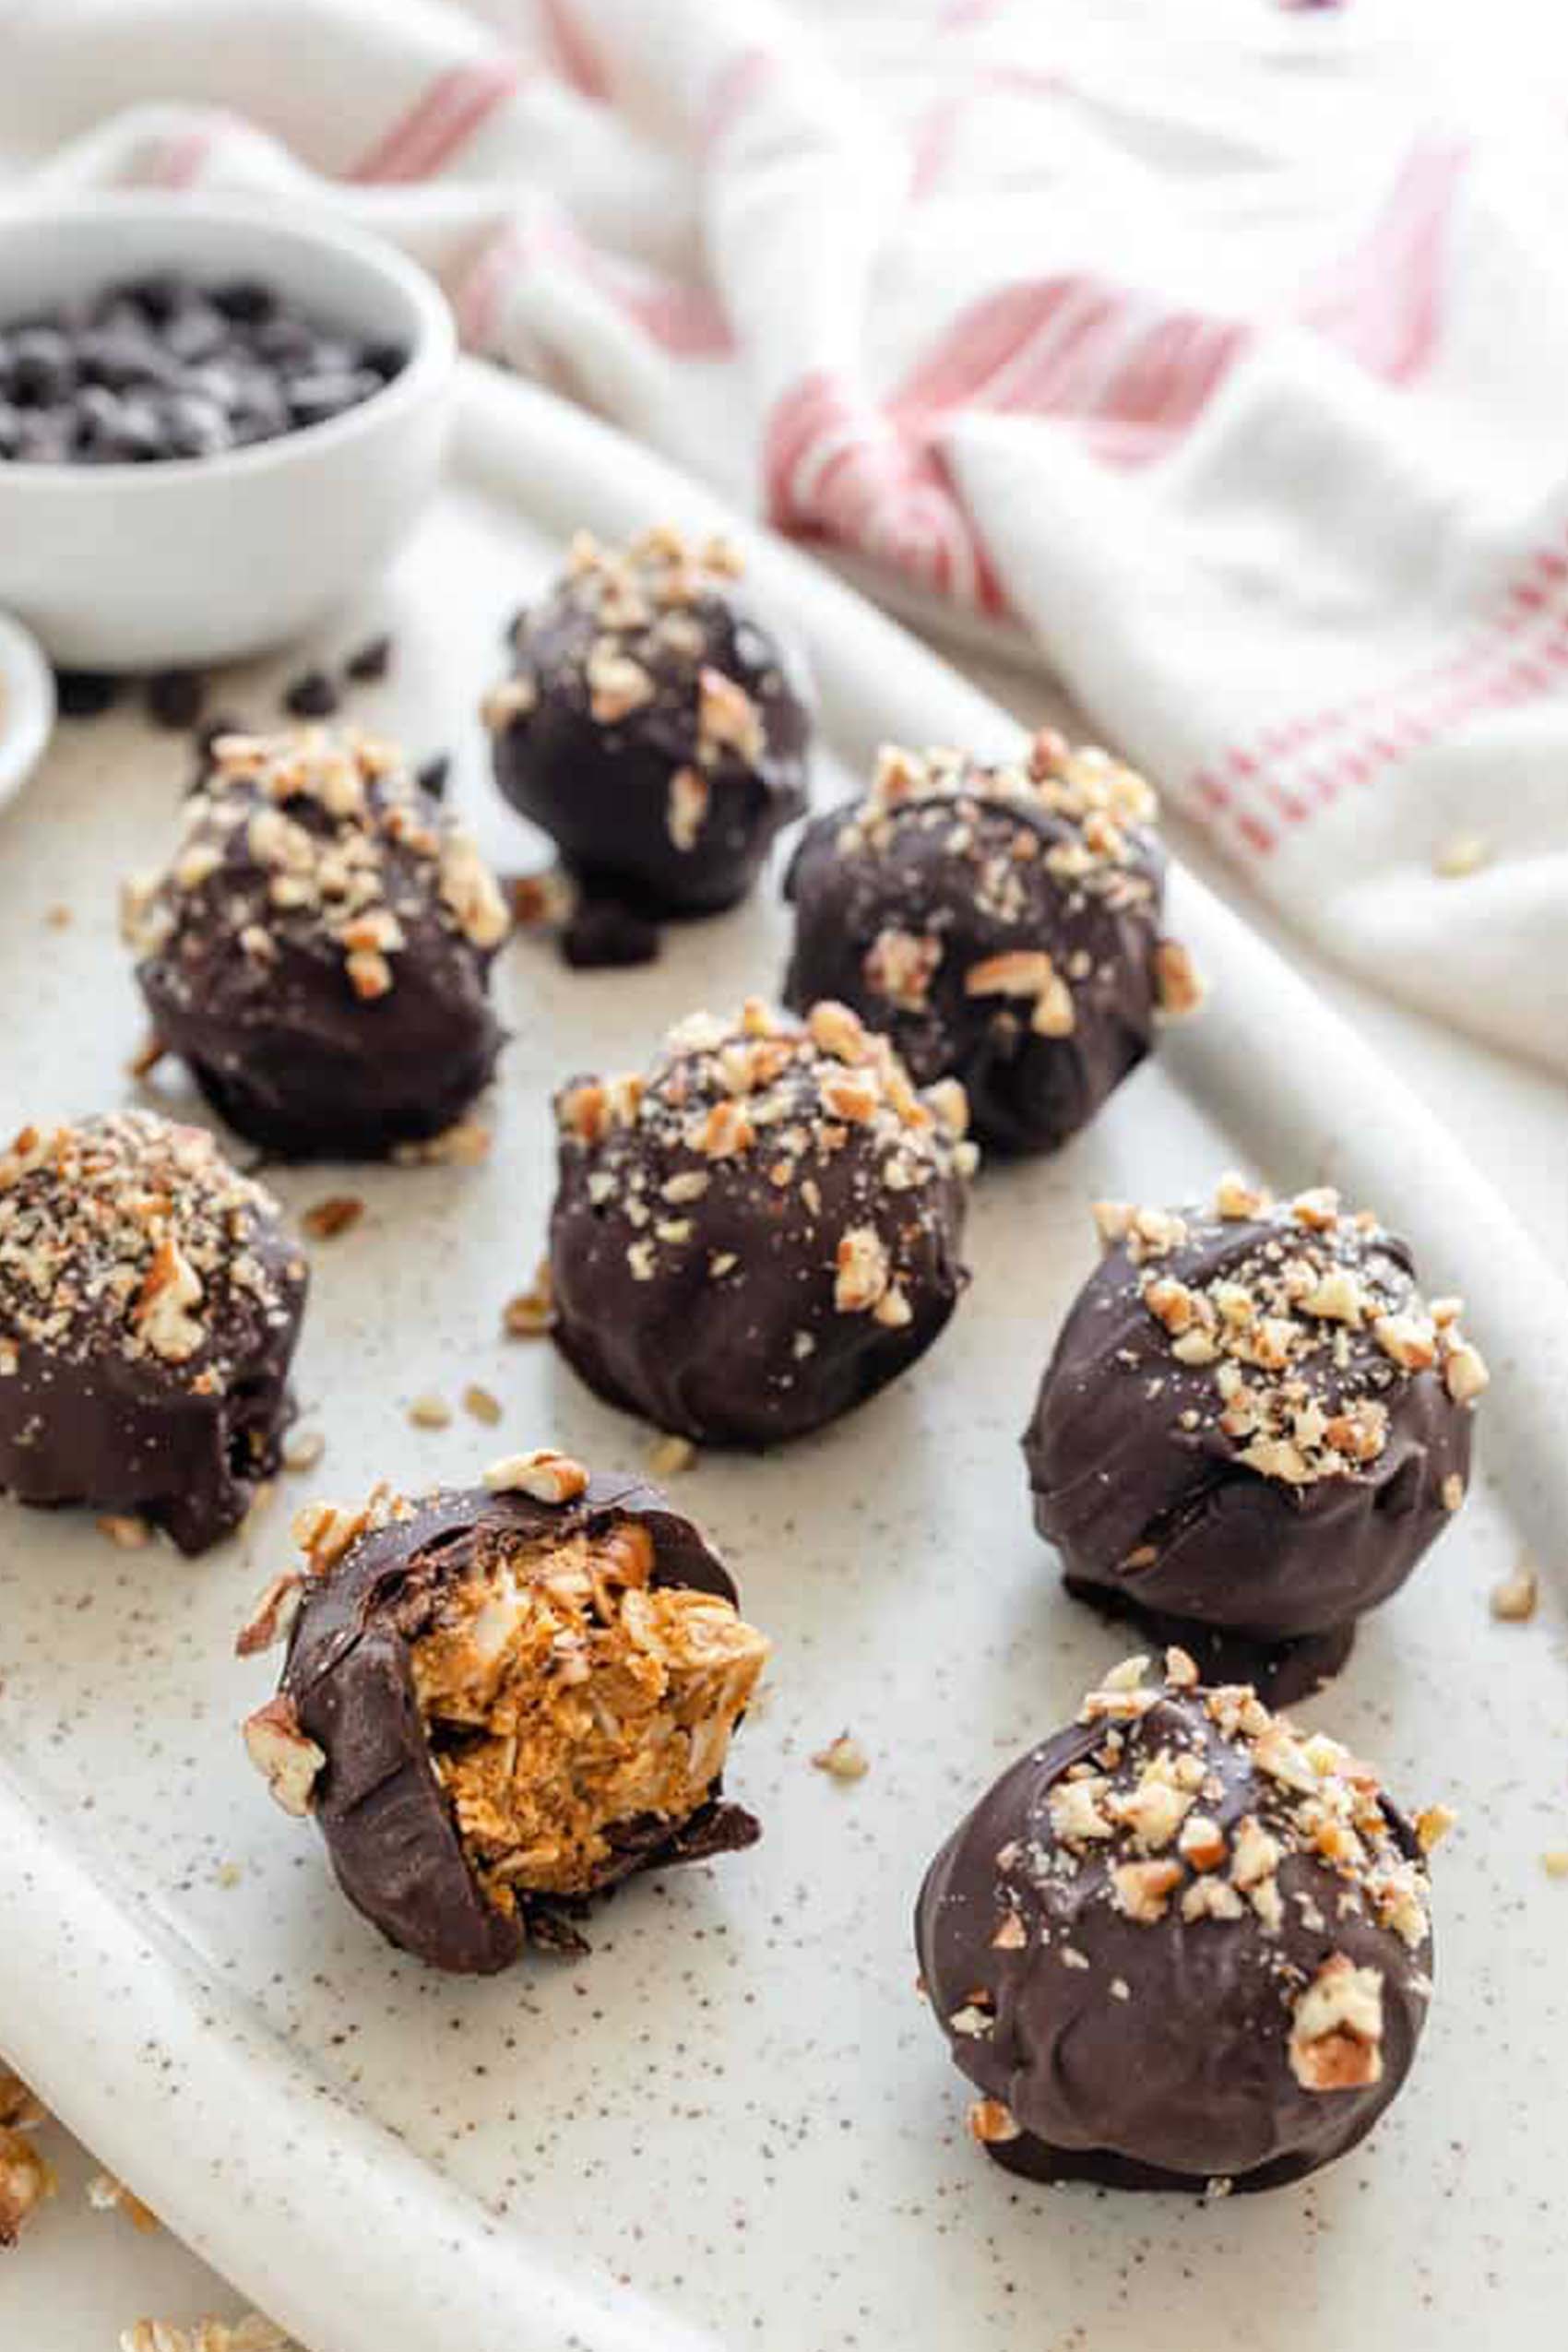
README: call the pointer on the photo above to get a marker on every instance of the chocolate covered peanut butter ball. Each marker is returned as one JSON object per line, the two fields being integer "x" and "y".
{"x": 1000, "y": 924}
{"x": 761, "y": 1231}
{"x": 1253, "y": 1426}
{"x": 653, "y": 726}
{"x": 1179, "y": 1944}
{"x": 500, "y": 1701}
{"x": 318, "y": 948}
{"x": 149, "y": 1302}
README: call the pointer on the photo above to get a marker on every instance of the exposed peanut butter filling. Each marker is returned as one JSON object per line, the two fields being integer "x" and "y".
{"x": 564, "y": 1696}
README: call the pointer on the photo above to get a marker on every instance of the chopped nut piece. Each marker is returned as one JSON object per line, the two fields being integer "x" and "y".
{"x": 1453, "y": 1491}
{"x": 863, "y": 1272}
{"x": 1433, "y": 1824}
{"x": 1555, "y": 1862}
{"x": 272, "y": 1618}
{"x": 126, "y": 1530}
{"x": 688, "y": 806}
{"x": 668, "y": 1457}
{"x": 463, "y": 1145}
{"x": 532, "y": 1313}
{"x": 146, "y": 1058}
{"x": 1515, "y": 1599}
{"x": 430, "y": 1411}
{"x": 253, "y": 2333}
{"x": 338, "y": 1213}
{"x": 990, "y": 2122}
{"x": 1021, "y": 972}
{"x": 843, "y": 1759}
{"x": 105, "y": 2194}
{"x": 1461, "y": 854}
{"x": 303, "y": 1450}
{"x": 282, "y": 1754}
{"x": 1235, "y": 1199}
{"x": 1337, "y": 2028}
{"x": 1177, "y": 980}
{"x": 1465, "y": 1374}
{"x": 1143, "y": 1890}
{"x": 512, "y": 699}
{"x": 26, "y": 2180}
{"x": 481, "y": 1405}
{"x": 546, "y": 1474}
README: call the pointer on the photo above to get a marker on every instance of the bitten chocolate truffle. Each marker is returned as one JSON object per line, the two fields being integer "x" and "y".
{"x": 1000, "y": 924}
{"x": 496, "y": 1703}
{"x": 149, "y": 1302}
{"x": 653, "y": 726}
{"x": 1180, "y": 1944}
{"x": 762, "y": 1231}
{"x": 319, "y": 950}
{"x": 1253, "y": 1421}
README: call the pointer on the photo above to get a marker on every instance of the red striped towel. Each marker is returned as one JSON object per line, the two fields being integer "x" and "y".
{"x": 1221, "y": 349}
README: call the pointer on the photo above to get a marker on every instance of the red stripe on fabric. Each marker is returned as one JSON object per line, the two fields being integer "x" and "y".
{"x": 575, "y": 54}
{"x": 844, "y": 471}
{"x": 1382, "y": 305}
{"x": 450, "y": 112}
{"x": 730, "y": 92}
{"x": 180, "y": 161}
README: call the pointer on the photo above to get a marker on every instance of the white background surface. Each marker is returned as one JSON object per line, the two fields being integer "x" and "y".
{"x": 80, "y": 2275}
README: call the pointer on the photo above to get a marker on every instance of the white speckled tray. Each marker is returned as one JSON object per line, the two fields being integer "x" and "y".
{"x": 736, "y": 2124}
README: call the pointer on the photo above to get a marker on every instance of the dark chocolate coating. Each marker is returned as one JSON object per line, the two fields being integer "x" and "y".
{"x": 601, "y": 789}
{"x": 281, "y": 1043}
{"x": 387, "y": 1823}
{"x": 1114, "y": 1473}
{"x": 944, "y": 870}
{"x": 181, "y": 1444}
{"x": 757, "y": 1351}
{"x": 1186, "y": 2080}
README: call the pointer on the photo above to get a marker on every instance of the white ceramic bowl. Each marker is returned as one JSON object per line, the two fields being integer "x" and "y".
{"x": 27, "y": 705}
{"x": 205, "y": 559}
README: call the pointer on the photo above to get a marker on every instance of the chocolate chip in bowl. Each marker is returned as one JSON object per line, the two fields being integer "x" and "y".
{"x": 215, "y": 424}
{"x": 143, "y": 370}
{"x": 499, "y": 1701}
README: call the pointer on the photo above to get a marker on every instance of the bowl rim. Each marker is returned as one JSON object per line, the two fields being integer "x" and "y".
{"x": 431, "y": 357}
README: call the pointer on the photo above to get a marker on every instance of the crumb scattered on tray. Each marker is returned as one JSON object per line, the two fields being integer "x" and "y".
{"x": 482, "y": 1404}
{"x": 529, "y": 1314}
{"x": 105, "y": 2194}
{"x": 464, "y": 1145}
{"x": 430, "y": 1412}
{"x": 668, "y": 1457}
{"x": 303, "y": 1450}
{"x": 1555, "y": 1862}
{"x": 1513, "y": 1600}
{"x": 59, "y": 918}
{"x": 126, "y": 1530}
{"x": 325, "y": 1220}
{"x": 1461, "y": 854}
{"x": 843, "y": 1759}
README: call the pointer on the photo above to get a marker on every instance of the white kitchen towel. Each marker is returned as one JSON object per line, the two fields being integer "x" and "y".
{"x": 1225, "y": 349}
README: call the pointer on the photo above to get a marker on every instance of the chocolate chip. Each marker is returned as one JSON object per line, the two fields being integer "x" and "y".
{"x": 174, "y": 699}
{"x": 436, "y": 774}
{"x": 602, "y": 935}
{"x": 85, "y": 694}
{"x": 158, "y": 367}
{"x": 371, "y": 662}
{"x": 313, "y": 695}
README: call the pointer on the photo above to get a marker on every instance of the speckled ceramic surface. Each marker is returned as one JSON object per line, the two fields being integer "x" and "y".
{"x": 735, "y": 2124}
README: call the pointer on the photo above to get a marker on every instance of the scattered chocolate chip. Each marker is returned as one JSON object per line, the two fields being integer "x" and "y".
{"x": 313, "y": 696}
{"x": 371, "y": 662}
{"x": 85, "y": 694}
{"x": 174, "y": 699}
{"x": 436, "y": 774}
{"x": 602, "y": 935}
